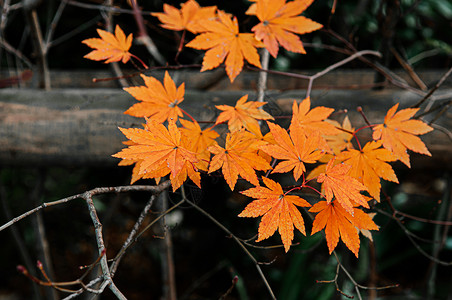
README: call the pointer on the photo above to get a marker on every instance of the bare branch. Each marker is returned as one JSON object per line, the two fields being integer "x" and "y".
{"x": 101, "y": 247}
{"x": 432, "y": 90}
{"x": 143, "y": 36}
{"x": 256, "y": 263}
{"x": 96, "y": 191}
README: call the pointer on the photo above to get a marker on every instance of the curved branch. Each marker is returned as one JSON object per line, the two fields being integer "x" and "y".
{"x": 96, "y": 191}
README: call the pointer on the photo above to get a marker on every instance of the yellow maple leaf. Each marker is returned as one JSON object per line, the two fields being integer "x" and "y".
{"x": 110, "y": 47}
{"x": 223, "y": 42}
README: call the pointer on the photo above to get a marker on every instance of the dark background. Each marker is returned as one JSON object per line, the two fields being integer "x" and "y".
{"x": 206, "y": 259}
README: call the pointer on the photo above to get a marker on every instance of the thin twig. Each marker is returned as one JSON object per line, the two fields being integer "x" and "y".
{"x": 38, "y": 43}
{"x": 18, "y": 54}
{"x": 138, "y": 235}
{"x": 108, "y": 17}
{"x": 53, "y": 25}
{"x": 443, "y": 129}
{"x": 143, "y": 36}
{"x": 256, "y": 263}
{"x": 416, "y": 245}
{"x": 409, "y": 69}
{"x": 84, "y": 288}
{"x": 101, "y": 247}
{"x": 379, "y": 68}
{"x": 95, "y": 191}
{"x": 106, "y": 8}
{"x": 145, "y": 212}
{"x": 168, "y": 274}
{"x": 338, "y": 64}
{"x": 432, "y": 90}
{"x": 444, "y": 208}
{"x": 42, "y": 243}
{"x": 229, "y": 291}
{"x": 74, "y": 31}
{"x": 357, "y": 286}
{"x": 19, "y": 240}
{"x": 311, "y": 78}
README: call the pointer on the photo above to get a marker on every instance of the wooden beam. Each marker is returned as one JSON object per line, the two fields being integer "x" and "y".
{"x": 218, "y": 81}
{"x": 79, "y": 127}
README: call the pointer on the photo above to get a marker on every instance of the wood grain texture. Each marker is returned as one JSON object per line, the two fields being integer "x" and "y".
{"x": 79, "y": 127}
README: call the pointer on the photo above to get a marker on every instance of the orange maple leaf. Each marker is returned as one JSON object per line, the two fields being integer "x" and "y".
{"x": 243, "y": 114}
{"x": 135, "y": 171}
{"x": 337, "y": 143}
{"x": 369, "y": 165}
{"x": 280, "y": 22}
{"x": 238, "y": 157}
{"x": 278, "y": 209}
{"x": 342, "y": 140}
{"x": 266, "y": 139}
{"x": 190, "y": 17}
{"x": 160, "y": 102}
{"x": 295, "y": 150}
{"x": 200, "y": 140}
{"x": 340, "y": 223}
{"x": 343, "y": 187}
{"x": 110, "y": 47}
{"x": 312, "y": 120}
{"x": 160, "y": 151}
{"x": 398, "y": 133}
{"x": 225, "y": 43}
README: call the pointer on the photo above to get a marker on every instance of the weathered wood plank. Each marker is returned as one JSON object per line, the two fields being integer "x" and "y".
{"x": 76, "y": 127}
{"x": 217, "y": 79}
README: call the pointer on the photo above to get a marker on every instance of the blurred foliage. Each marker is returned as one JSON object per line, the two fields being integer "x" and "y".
{"x": 421, "y": 35}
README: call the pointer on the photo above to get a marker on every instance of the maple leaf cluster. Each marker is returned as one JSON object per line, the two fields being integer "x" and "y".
{"x": 279, "y": 22}
{"x": 218, "y": 33}
{"x": 348, "y": 176}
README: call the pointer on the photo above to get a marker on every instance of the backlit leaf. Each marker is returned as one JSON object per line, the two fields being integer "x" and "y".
{"x": 339, "y": 223}
{"x": 160, "y": 151}
{"x": 223, "y": 42}
{"x": 342, "y": 140}
{"x": 243, "y": 115}
{"x": 110, "y": 47}
{"x": 190, "y": 17}
{"x": 294, "y": 150}
{"x": 369, "y": 165}
{"x": 238, "y": 157}
{"x": 312, "y": 120}
{"x": 159, "y": 102}
{"x": 278, "y": 209}
{"x": 343, "y": 187}
{"x": 200, "y": 140}
{"x": 280, "y": 22}
{"x": 398, "y": 133}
